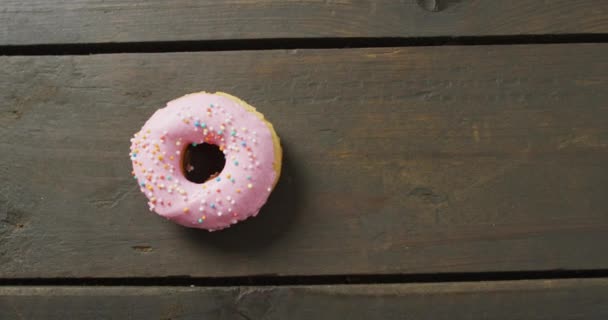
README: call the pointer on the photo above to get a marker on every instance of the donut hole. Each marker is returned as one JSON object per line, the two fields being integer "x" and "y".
{"x": 202, "y": 162}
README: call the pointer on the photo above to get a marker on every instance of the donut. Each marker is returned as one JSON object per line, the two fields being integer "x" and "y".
{"x": 251, "y": 150}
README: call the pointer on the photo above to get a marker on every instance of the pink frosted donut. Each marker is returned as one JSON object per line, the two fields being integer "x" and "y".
{"x": 251, "y": 149}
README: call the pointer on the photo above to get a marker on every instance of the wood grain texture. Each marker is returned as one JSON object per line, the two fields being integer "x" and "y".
{"x": 397, "y": 160}
{"x": 98, "y": 21}
{"x": 540, "y": 299}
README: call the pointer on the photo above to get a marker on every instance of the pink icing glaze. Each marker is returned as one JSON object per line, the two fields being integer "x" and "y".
{"x": 242, "y": 187}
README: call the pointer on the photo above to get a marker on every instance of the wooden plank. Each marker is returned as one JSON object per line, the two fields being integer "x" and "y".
{"x": 538, "y": 299}
{"x": 397, "y": 160}
{"x": 98, "y": 21}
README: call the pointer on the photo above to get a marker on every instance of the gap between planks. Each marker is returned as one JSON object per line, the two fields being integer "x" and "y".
{"x": 289, "y": 43}
{"x": 277, "y": 280}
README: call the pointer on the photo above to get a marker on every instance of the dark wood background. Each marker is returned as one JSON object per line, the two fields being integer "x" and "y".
{"x": 442, "y": 159}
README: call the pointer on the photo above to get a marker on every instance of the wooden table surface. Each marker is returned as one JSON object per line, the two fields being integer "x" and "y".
{"x": 442, "y": 159}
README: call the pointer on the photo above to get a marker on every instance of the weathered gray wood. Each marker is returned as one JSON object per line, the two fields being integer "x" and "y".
{"x": 540, "y": 299}
{"x": 397, "y": 160}
{"x": 93, "y": 21}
